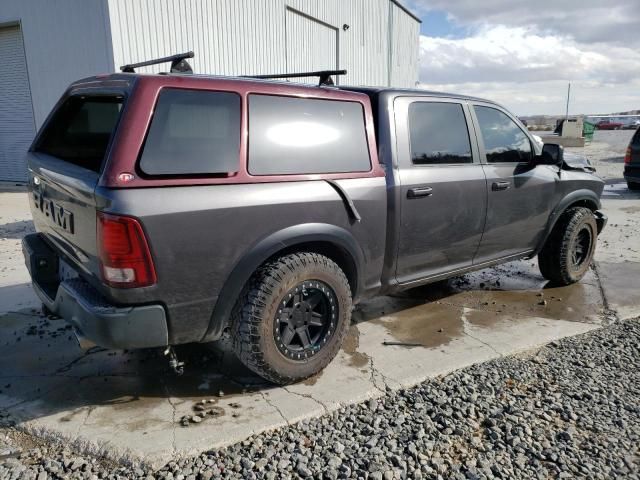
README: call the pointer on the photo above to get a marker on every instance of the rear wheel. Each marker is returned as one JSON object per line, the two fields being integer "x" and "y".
{"x": 292, "y": 317}
{"x": 568, "y": 251}
{"x": 633, "y": 185}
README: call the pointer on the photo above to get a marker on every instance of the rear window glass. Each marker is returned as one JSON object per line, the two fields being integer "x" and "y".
{"x": 80, "y": 130}
{"x": 301, "y": 136}
{"x": 193, "y": 132}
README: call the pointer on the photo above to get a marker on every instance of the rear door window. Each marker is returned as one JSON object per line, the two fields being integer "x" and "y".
{"x": 439, "y": 134}
{"x": 193, "y": 132}
{"x": 504, "y": 141}
{"x": 80, "y": 130}
{"x": 290, "y": 135}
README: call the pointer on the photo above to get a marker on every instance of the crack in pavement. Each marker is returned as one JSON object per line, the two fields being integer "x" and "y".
{"x": 372, "y": 377}
{"x": 309, "y": 396}
{"x": 466, "y": 325}
{"x": 274, "y": 406}
{"x": 89, "y": 409}
{"x": 91, "y": 351}
{"x": 174, "y": 425}
{"x": 608, "y": 311}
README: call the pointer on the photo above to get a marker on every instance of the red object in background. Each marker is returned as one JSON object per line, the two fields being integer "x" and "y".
{"x": 607, "y": 125}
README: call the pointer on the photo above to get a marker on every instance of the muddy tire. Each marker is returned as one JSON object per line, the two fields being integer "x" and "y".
{"x": 292, "y": 317}
{"x": 568, "y": 251}
{"x": 633, "y": 186}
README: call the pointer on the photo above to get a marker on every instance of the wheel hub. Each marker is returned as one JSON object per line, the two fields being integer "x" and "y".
{"x": 305, "y": 320}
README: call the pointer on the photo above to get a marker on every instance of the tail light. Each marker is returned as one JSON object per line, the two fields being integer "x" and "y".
{"x": 125, "y": 259}
{"x": 627, "y": 156}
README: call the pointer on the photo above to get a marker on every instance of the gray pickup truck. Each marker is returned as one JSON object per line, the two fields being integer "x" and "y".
{"x": 182, "y": 208}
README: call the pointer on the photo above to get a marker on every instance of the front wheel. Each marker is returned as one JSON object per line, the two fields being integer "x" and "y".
{"x": 291, "y": 317}
{"x": 567, "y": 253}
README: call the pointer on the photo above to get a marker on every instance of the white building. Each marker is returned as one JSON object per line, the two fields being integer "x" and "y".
{"x": 45, "y": 45}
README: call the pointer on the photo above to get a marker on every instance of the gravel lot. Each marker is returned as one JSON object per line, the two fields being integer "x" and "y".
{"x": 571, "y": 409}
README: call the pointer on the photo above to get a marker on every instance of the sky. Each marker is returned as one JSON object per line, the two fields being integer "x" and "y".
{"x": 523, "y": 54}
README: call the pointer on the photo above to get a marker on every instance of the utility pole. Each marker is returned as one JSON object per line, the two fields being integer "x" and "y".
{"x": 566, "y": 117}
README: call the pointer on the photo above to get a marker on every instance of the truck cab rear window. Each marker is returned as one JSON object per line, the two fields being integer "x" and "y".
{"x": 290, "y": 135}
{"x": 80, "y": 130}
{"x": 193, "y": 132}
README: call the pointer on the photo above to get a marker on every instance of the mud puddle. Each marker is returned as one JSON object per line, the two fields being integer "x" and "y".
{"x": 433, "y": 315}
{"x": 44, "y": 373}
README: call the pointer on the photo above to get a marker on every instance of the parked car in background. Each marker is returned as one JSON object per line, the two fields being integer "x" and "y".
{"x": 632, "y": 162}
{"x": 609, "y": 125}
{"x": 180, "y": 208}
{"x": 632, "y": 125}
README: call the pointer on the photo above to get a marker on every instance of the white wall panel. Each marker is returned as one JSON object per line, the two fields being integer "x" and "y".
{"x": 64, "y": 40}
{"x": 16, "y": 115}
{"x": 242, "y": 37}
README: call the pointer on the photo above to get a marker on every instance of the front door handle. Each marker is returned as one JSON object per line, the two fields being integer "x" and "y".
{"x": 500, "y": 186}
{"x": 419, "y": 192}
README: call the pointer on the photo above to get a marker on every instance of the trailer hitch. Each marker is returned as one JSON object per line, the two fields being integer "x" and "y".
{"x": 176, "y": 365}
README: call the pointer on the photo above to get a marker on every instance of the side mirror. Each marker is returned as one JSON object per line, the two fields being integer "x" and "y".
{"x": 552, "y": 154}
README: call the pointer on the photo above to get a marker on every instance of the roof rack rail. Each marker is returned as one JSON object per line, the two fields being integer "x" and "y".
{"x": 179, "y": 63}
{"x": 324, "y": 76}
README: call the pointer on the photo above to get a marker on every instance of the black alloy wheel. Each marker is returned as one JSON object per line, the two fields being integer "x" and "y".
{"x": 582, "y": 247}
{"x": 305, "y": 320}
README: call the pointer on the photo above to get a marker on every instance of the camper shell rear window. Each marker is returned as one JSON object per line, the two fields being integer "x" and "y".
{"x": 81, "y": 129}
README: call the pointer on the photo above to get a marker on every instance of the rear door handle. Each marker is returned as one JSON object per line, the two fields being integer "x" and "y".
{"x": 500, "y": 185}
{"x": 419, "y": 192}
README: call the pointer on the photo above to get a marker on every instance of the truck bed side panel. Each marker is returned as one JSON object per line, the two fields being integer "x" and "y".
{"x": 198, "y": 234}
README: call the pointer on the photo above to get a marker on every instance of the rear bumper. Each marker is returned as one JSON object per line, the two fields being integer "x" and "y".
{"x": 93, "y": 318}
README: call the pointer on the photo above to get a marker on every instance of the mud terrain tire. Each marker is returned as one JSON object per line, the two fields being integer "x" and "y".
{"x": 292, "y": 283}
{"x": 567, "y": 253}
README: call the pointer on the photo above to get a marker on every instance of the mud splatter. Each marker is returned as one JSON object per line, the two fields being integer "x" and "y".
{"x": 350, "y": 346}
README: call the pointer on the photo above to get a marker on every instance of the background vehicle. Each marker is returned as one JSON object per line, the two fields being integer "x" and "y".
{"x": 179, "y": 208}
{"x": 632, "y": 162}
{"x": 609, "y": 125}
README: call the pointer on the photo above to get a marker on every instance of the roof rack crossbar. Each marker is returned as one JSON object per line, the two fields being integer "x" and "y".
{"x": 324, "y": 76}
{"x": 179, "y": 63}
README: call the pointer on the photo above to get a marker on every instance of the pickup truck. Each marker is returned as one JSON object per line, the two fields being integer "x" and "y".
{"x": 179, "y": 208}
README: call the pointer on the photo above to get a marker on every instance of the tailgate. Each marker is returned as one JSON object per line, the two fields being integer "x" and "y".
{"x": 63, "y": 207}
{"x": 64, "y": 163}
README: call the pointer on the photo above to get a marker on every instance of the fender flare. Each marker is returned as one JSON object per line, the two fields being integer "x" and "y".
{"x": 268, "y": 247}
{"x": 582, "y": 195}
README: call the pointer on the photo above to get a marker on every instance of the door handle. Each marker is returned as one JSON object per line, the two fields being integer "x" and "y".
{"x": 500, "y": 185}
{"x": 419, "y": 192}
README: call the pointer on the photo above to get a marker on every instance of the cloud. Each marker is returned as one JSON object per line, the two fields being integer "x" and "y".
{"x": 528, "y": 70}
{"x": 523, "y": 54}
{"x": 587, "y": 21}
{"x": 549, "y": 97}
{"x": 519, "y": 54}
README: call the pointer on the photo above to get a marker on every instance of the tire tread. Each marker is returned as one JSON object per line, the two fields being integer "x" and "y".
{"x": 248, "y": 313}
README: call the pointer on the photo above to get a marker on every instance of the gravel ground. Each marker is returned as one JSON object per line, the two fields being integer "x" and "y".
{"x": 571, "y": 409}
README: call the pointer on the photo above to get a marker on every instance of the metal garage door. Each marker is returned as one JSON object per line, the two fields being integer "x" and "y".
{"x": 17, "y": 127}
{"x": 311, "y": 45}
